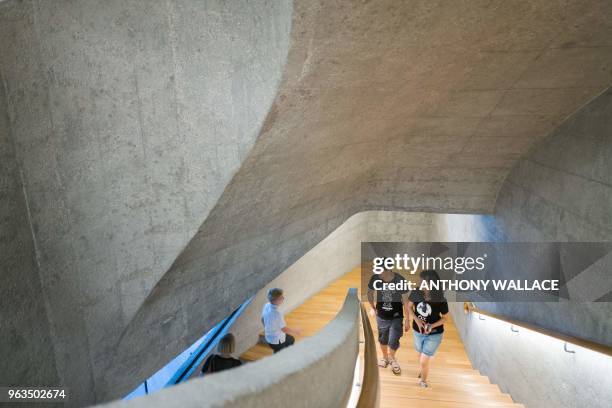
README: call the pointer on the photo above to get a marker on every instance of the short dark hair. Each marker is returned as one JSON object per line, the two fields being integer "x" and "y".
{"x": 274, "y": 294}
{"x": 430, "y": 275}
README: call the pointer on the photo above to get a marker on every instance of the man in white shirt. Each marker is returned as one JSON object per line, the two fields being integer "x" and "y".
{"x": 277, "y": 334}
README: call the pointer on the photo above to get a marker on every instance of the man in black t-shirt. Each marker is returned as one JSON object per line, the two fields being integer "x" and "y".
{"x": 391, "y": 299}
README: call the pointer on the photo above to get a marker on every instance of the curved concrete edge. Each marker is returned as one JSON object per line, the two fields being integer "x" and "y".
{"x": 371, "y": 114}
{"x": 317, "y": 371}
{"x": 125, "y": 150}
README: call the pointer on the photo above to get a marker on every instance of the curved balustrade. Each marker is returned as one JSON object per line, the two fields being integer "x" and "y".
{"x": 317, "y": 371}
{"x": 370, "y": 387}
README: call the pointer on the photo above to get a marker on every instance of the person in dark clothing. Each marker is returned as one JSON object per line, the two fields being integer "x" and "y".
{"x": 223, "y": 360}
{"x": 427, "y": 312}
{"x": 389, "y": 311}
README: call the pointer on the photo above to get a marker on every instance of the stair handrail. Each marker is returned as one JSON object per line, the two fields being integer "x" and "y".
{"x": 369, "y": 397}
{"x": 470, "y": 307}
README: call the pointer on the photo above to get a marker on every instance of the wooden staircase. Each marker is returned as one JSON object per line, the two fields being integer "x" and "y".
{"x": 452, "y": 380}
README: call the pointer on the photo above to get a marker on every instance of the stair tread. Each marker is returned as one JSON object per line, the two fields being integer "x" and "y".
{"x": 453, "y": 382}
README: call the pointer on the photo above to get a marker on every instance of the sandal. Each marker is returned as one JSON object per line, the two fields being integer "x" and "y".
{"x": 395, "y": 367}
{"x": 383, "y": 363}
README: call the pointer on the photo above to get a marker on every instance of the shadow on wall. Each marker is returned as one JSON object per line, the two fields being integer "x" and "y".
{"x": 534, "y": 368}
{"x": 561, "y": 191}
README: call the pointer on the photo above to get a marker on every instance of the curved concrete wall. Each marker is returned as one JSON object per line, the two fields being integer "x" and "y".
{"x": 561, "y": 191}
{"x": 26, "y": 350}
{"x": 414, "y": 105}
{"x": 316, "y": 372}
{"x": 128, "y": 121}
{"x": 536, "y": 370}
{"x": 135, "y": 126}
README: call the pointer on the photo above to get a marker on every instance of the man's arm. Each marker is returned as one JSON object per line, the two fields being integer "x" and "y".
{"x": 371, "y": 300}
{"x": 293, "y": 332}
{"x": 407, "y": 305}
{"x": 288, "y": 330}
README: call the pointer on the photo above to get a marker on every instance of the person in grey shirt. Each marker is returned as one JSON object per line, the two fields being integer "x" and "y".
{"x": 276, "y": 332}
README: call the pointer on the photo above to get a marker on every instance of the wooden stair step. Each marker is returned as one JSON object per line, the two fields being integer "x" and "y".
{"x": 454, "y": 383}
{"x": 419, "y": 403}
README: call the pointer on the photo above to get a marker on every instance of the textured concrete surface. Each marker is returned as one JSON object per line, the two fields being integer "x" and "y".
{"x": 561, "y": 191}
{"x": 160, "y": 202}
{"x": 383, "y": 105}
{"x": 316, "y": 372}
{"x": 128, "y": 122}
{"x": 534, "y": 369}
{"x": 26, "y": 350}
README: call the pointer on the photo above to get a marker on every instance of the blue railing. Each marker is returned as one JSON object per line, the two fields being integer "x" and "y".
{"x": 187, "y": 369}
{"x": 183, "y": 366}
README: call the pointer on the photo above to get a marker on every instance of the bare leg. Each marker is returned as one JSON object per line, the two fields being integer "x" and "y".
{"x": 385, "y": 351}
{"x": 424, "y": 363}
{"x": 391, "y": 354}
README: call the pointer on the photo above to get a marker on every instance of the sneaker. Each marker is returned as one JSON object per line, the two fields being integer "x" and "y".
{"x": 395, "y": 367}
{"x": 383, "y": 363}
{"x": 423, "y": 384}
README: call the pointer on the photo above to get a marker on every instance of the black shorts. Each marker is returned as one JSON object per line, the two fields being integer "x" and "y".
{"x": 289, "y": 340}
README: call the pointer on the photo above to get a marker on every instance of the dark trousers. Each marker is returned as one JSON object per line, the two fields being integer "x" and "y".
{"x": 390, "y": 331}
{"x": 289, "y": 340}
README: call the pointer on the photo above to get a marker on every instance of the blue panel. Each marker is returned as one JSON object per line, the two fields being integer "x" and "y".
{"x": 183, "y": 365}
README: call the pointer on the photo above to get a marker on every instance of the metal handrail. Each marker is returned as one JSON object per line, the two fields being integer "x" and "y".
{"x": 587, "y": 344}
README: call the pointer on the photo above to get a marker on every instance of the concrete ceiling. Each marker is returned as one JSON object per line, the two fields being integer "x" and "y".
{"x": 139, "y": 134}
{"x": 404, "y": 105}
